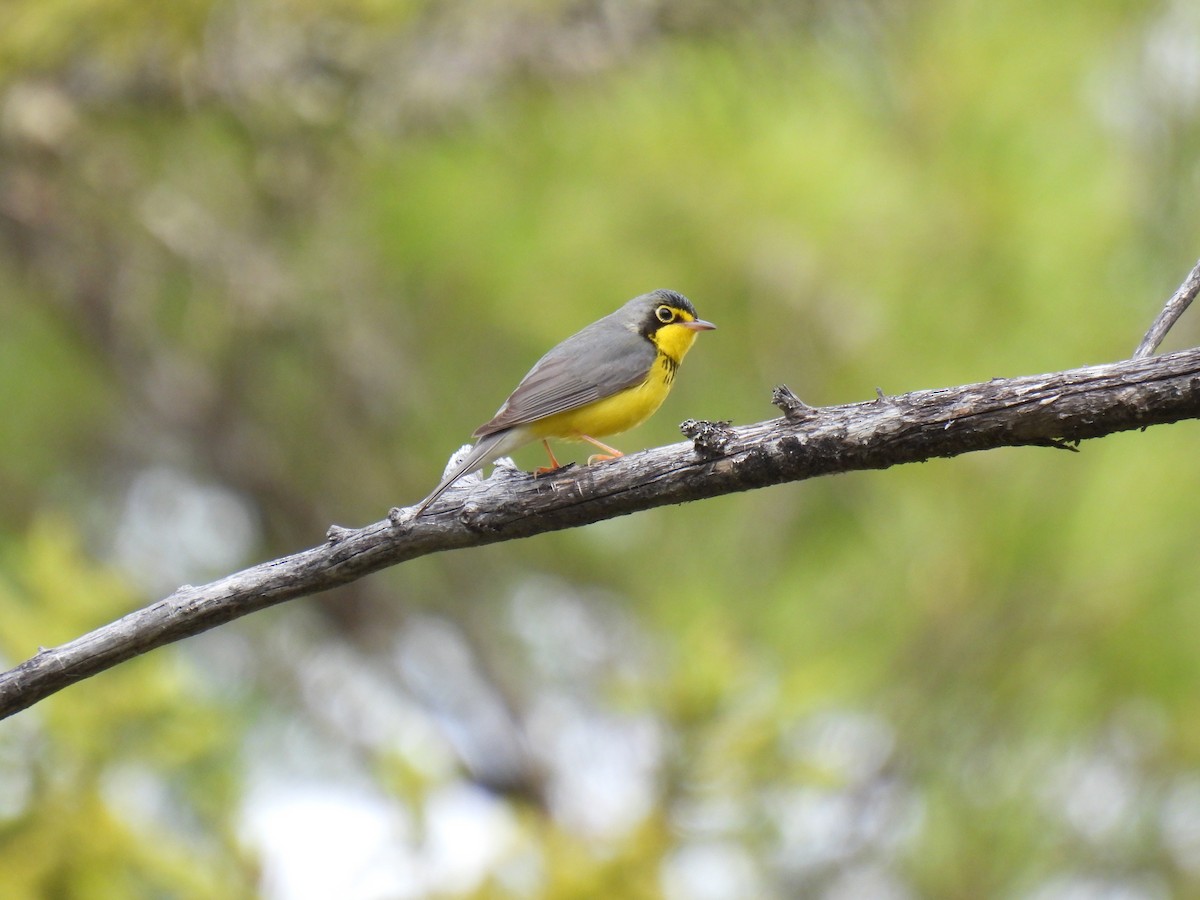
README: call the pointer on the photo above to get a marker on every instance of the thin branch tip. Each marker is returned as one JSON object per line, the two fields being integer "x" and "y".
{"x": 1175, "y": 307}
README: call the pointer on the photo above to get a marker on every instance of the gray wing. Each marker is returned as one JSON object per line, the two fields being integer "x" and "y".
{"x": 595, "y": 363}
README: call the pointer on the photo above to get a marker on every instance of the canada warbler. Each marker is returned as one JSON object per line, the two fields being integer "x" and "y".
{"x": 607, "y": 378}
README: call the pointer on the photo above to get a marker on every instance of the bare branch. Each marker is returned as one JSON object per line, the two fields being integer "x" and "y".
{"x": 1176, "y": 305}
{"x": 1056, "y": 410}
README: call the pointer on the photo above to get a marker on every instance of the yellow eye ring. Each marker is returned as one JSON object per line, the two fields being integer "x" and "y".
{"x": 665, "y": 314}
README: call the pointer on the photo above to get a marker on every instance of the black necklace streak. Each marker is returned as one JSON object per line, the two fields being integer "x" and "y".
{"x": 670, "y": 366}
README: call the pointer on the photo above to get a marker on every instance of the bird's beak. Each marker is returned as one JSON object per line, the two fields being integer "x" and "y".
{"x": 698, "y": 325}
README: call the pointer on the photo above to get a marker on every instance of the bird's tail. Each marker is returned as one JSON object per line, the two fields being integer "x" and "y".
{"x": 488, "y": 449}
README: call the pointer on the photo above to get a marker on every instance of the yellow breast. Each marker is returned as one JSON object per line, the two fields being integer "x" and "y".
{"x": 630, "y": 407}
{"x": 612, "y": 415}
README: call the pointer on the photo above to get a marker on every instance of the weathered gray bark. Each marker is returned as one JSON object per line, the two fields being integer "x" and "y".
{"x": 1056, "y": 410}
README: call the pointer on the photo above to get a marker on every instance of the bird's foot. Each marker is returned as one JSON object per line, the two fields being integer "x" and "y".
{"x": 609, "y": 452}
{"x": 542, "y": 471}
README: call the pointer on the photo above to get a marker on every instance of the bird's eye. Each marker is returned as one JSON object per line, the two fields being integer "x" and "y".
{"x": 665, "y": 314}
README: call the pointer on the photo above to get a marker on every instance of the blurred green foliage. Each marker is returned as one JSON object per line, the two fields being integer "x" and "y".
{"x": 286, "y": 256}
{"x": 122, "y": 791}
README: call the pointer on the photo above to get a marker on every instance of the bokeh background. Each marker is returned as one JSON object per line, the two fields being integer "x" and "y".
{"x": 265, "y": 264}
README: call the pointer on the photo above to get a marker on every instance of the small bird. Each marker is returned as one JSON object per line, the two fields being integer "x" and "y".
{"x": 603, "y": 380}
